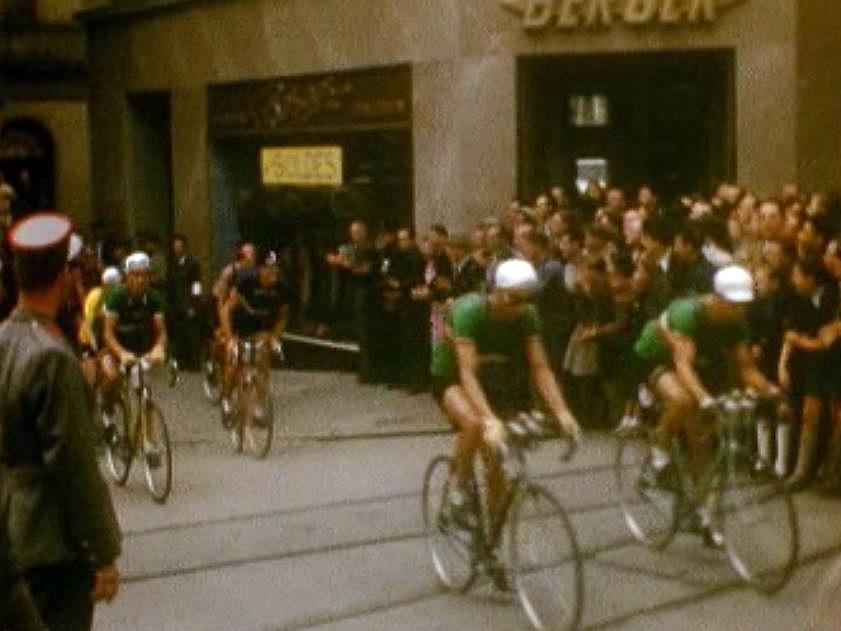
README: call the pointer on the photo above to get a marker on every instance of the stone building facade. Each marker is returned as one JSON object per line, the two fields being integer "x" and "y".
{"x": 472, "y": 102}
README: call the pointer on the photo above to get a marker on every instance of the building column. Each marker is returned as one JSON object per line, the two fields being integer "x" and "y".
{"x": 190, "y": 169}
{"x": 465, "y": 139}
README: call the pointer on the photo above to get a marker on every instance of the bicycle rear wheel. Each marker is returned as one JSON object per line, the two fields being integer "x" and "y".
{"x": 758, "y": 521}
{"x": 260, "y": 430}
{"x": 650, "y": 508}
{"x": 157, "y": 454}
{"x": 449, "y": 544}
{"x": 119, "y": 450}
{"x": 545, "y": 561}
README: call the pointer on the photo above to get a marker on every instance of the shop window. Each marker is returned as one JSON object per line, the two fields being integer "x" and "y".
{"x": 588, "y": 170}
{"x": 589, "y": 110}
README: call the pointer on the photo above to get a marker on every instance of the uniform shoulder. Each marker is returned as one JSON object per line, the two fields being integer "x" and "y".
{"x": 39, "y": 340}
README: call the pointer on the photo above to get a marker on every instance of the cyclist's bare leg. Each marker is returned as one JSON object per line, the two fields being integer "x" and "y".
{"x": 110, "y": 382}
{"x": 461, "y": 413}
{"x": 678, "y": 404}
{"x": 229, "y": 375}
{"x": 496, "y": 490}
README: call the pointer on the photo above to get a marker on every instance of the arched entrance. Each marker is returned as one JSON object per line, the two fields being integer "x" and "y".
{"x": 27, "y": 162}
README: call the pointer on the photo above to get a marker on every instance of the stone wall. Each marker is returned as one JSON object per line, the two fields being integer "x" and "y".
{"x": 819, "y": 85}
{"x": 463, "y": 54}
{"x": 68, "y": 123}
{"x": 58, "y": 11}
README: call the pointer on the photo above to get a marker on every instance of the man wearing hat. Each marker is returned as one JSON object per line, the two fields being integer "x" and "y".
{"x": 62, "y": 532}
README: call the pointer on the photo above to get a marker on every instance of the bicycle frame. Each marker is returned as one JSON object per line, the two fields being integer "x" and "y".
{"x": 515, "y": 476}
{"x": 730, "y": 422}
{"x": 135, "y": 383}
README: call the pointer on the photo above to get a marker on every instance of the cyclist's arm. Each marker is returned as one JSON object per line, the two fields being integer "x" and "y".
{"x": 547, "y": 386}
{"x": 683, "y": 356}
{"x": 158, "y": 351}
{"x": 468, "y": 368}
{"x": 86, "y": 336}
{"x": 804, "y": 342}
{"x": 750, "y": 374}
{"x": 110, "y": 337}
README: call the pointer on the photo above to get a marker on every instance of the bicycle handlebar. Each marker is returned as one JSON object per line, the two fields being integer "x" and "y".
{"x": 528, "y": 429}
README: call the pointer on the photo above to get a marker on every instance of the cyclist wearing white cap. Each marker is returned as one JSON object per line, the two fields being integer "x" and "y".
{"x": 699, "y": 345}
{"x": 134, "y": 324}
{"x": 485, "y": 367}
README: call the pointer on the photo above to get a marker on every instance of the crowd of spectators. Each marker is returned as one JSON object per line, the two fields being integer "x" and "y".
{"x": 607, "y": 265}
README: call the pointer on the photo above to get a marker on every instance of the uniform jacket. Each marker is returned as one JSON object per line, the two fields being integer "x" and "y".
{"x": 56, "y": 508}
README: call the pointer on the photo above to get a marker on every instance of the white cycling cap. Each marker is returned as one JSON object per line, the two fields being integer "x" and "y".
{"x": 516, "y": 274}
{"x": 137, "y": 262}
{"x": 734, "y": 284}
{"x": 111, "y": 276}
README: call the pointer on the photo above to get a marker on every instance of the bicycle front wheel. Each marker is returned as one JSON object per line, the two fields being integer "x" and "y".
{"x": 118, "y": 444}
{"x": 212, "y": 382}
{"x": 157, "y": 454}
{"x": 648, "y": 505}
{"x": 260, "y": 430}
{"x": 758, "y": 521}
{"x": 449, "y": 544}
{"x": 545, "y": 561}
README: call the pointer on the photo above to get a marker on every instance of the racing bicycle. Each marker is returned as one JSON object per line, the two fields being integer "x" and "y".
{"x": 143, "y": 435}
{"x": 750, "y": 512}
{"x": 249, "y": 412}
{"x": 543, "y": 559}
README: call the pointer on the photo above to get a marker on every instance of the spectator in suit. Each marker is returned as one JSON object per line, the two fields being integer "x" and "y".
{"x": 183, "y": 293}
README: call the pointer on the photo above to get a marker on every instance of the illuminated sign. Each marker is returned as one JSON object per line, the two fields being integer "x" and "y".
{"x": 301, "y": 166}
{"x": 576, "y": 14}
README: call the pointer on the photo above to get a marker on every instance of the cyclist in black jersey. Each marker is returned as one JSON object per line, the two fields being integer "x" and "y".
{"x": 257, "y": 307}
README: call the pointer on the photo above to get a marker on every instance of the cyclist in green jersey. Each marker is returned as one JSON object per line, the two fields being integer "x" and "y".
{"x": 134, "y": 325}
{"x": 484, "y": 366}
{"x": 697, "y": 347}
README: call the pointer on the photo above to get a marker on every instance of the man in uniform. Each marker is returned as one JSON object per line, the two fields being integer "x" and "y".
{"x": 62, "y": 532}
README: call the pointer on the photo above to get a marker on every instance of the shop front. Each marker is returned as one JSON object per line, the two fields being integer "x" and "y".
{"x": 298, "y": 159}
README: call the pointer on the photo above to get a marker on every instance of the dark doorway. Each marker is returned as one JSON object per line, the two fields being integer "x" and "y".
{"x": 663, "y": 119}
{"x": 305, "y": 223}
{"x": 151, "y": 168}
{"x": 27, "y": 162}
{"x": 365, "y": 115}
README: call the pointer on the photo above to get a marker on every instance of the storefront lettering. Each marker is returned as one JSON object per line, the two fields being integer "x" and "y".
{"x": 572, "y": 14}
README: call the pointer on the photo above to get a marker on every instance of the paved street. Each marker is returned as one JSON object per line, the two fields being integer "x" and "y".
{"x": 327, "y": 536}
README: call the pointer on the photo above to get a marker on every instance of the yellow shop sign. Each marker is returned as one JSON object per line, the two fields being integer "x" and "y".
{"x": 301, "y": 166}
{"x": 576, "y": 14}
